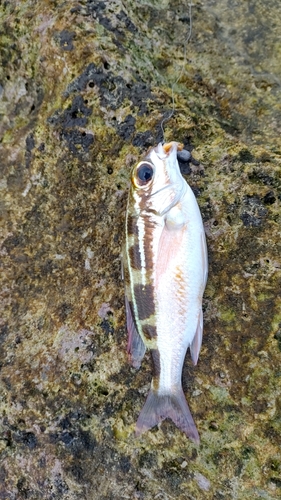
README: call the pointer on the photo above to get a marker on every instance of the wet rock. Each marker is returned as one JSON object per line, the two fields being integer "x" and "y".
{"x": 30, "y": 143}
{"x": 127, "y": 127}
{"x": 77, "y": 140}
{"x": 184, "y": 155}
{"x": 245, "y": 156}
{"x": 143, "y": 139}
{"x": 113, "y": 89}
{"x": 254, "y": 213}
{"x": 269, "y": 198}
{"x": 184, "y": 159}
{"x": 27, "y": 439}
{"x": 66, "y": 38}
{"x": 74, "y": 116}
{"x": 99, "y": 11}
{"x": 277, "y": 336}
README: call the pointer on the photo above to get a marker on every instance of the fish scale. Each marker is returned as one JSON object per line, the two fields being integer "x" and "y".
{"x": 165, "y": 265}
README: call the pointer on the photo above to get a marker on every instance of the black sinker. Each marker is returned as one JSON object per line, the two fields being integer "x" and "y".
{"x": 145, "y": 172}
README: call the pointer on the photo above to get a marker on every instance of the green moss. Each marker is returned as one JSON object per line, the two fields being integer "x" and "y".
{"x": 227, "y": 315}
{"x": 220, "y": 395}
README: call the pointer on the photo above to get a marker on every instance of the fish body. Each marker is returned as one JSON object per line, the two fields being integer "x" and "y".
{"x": 165, "y": 268}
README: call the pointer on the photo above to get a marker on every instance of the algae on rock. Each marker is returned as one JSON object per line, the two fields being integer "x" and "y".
{"x": 83, "y": 90}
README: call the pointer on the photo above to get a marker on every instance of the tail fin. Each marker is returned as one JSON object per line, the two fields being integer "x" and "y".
{"x": 160, "y": 406}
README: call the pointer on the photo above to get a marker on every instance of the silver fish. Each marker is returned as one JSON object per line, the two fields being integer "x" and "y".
{"x": 165, "y": 269}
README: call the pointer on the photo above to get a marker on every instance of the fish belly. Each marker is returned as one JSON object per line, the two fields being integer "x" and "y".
{"x": 179, "y": 296}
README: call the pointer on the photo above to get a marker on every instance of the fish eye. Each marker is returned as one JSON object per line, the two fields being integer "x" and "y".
{"x": 144, "y": 173}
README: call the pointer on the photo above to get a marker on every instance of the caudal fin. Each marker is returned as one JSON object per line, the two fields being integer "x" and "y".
{"x": 160, "y": 406}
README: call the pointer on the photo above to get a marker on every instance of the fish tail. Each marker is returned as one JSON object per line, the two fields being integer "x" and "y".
{"x": 160, "y": 406}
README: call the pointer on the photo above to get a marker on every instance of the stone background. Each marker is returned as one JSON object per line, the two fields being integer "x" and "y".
{"x": 83, "y": 89}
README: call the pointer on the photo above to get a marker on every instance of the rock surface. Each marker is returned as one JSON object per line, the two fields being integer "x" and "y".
{"x": 84, "y": 87}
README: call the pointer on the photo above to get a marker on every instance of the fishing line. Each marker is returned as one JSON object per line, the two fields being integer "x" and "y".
{"x": 180, "y": 74}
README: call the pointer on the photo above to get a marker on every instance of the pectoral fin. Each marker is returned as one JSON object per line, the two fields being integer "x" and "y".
{"x": 195, "y": 345}
{"x": 169, "y": 244}
{"x": 136, "y": 348}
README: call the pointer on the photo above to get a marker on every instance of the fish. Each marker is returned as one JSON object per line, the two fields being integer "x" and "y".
{"x": 165, "y": 267}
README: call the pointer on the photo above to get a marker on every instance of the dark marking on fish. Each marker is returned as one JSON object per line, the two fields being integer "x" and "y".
{"x": 149, "y": 332}
{"x": 135, "y": 258}
{"x": 132, "y": 228}
{"x": 144, "y": 300}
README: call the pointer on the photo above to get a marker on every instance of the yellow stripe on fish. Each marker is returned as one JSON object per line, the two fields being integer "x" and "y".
{"x": 165, "y": 264}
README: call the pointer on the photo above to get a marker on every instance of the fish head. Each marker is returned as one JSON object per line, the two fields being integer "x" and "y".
{"x": 157, "y": 181}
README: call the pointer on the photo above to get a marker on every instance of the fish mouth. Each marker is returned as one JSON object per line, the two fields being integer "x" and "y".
{"x": 171, "y": 145}
{"x": 168, "y": 148}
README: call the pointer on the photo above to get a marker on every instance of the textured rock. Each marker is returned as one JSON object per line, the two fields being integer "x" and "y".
{"x": 84, "y": 87}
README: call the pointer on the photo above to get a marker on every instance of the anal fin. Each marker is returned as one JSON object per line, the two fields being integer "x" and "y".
{"x": 136, "y": 348}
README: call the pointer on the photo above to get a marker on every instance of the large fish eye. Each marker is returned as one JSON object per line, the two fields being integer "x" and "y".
{"x": 144, "y": 173}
